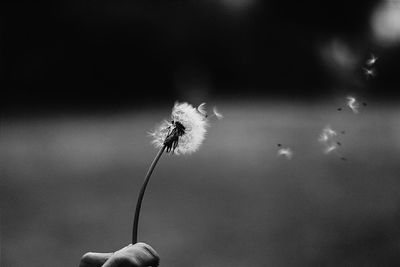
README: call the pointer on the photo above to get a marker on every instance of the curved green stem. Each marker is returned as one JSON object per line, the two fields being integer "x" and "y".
{"x": 141, "y": 195}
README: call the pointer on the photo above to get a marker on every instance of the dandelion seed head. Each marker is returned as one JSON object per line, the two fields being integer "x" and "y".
{"x": 184, "y": 133}
{"x": 287, "y": 152}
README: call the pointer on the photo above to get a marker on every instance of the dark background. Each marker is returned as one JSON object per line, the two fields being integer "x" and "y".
{"x": 100, "y": 54}
{"x": 83, "y": 82}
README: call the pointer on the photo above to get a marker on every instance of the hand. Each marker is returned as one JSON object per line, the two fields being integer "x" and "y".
{"x": 137, "y": 255}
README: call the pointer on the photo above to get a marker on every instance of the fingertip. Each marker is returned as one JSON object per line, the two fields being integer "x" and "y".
{"x": 87, "y": 257}
{"x": 94, "y": 259}
{"x": 138, "y": 255}
{"x": 149, "y": 249}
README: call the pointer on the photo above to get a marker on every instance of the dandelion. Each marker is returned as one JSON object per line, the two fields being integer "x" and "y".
{"x": 353, "y": 104}
{"x": 182, "y": 135}
{"x": 371, "y": 61}
{"x": 287, "y": 152}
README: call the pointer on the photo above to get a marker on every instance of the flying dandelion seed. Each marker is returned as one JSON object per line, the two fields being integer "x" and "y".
{"x": 182, "y": 135}
{"x": 202, "y": 109}
{"x": 217, "y": 113}
{"x": 352, "y": 104}
{"x": 327, "y": 134}
{"x": 369, "y": 73}
{"x": 371, "y": 61}
{"x": 326, "y": 138}
{"x": 287, "y": 152}
{"x": 330, "y": 148}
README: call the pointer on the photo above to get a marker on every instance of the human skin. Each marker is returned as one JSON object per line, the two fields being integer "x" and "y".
{"x": 137, "y": 255}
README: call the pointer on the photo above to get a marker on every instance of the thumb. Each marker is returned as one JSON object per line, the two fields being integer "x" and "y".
{"x": 137, "y": 255}
{"x": 93, "y": 259}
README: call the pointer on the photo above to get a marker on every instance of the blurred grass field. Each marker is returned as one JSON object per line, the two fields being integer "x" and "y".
{"x": 69, "y": 185}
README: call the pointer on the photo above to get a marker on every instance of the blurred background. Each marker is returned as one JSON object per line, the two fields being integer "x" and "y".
{"x": 83, "y": 82}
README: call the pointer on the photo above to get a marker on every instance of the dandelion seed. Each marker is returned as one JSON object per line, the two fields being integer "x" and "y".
{"x": 218, "y": 114}
{"x": 369, "y": 73}
{"x": 326, "y": 138}
{"x": 330, "y": 148}
{"x": 327, "y": 134}
{"x": 202, "y": 109}
{"x": 352, "y": 104}
{"x": 371, "y": 61}
{"x": 287, "y": 152}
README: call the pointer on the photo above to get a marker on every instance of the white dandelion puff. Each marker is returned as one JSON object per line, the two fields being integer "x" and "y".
{"x": 217, "y": 113}
{"x": 371, "y": 61}
{"x": 202, "y": 109}
{"x": 353, "y": 104}
{"x": 184, "y": 133}
{"x": 287, "y": 152}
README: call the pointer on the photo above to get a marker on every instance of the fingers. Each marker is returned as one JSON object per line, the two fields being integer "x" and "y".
{"x": 138, "y": 255}
{"x": 93, "y": 259}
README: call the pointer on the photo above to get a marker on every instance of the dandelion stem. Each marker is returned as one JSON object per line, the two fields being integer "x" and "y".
{"x": 141, "y": 195}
